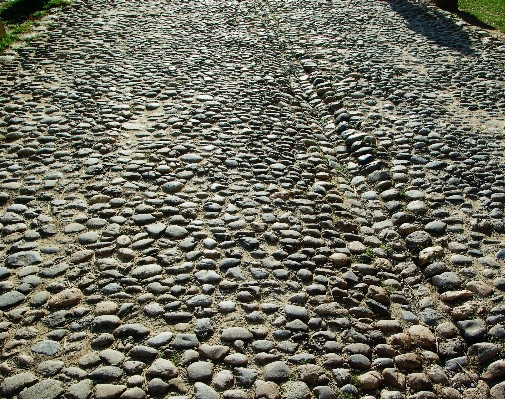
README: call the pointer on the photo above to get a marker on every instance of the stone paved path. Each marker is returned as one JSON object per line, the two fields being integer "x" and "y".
{"x": 208, "y": 199}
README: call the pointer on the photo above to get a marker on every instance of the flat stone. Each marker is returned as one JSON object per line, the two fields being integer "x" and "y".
{"x": 14, "y": 384}
{"x": 295, "y": 390}
{"x": 277, "y": 371}
{"x": 160, "y": 340}
{"x": 109, "y": 391}
{"x": 162, "y": 368}
{"x": 214, "y": 352}
{"x": 46, "y": 347}
{"x": 446, "y": 281}
{"x": 80, "y": 390}
{"x": 185, "y": 341}
{"x": 22, "y": 259}
{"x": 11, "y": 299}
{"x": 266, "y": 390}
{"x": 495, "y": 370}
{"x": 146, "y": 271}
{"x": 473, "y": 330}
{"x": 106, "y": 373}
{"x": 136, "y": 331}
{"x": 48, "y": 368}
{"x": 68, "y": 297}
{"x": 200, "y": 371}
{"x": 234, "y": 333}
{"x": 422, "y": 336}
{"x": 296, "y": 312}
{"x": 203, "y": 391}
{"x": 47, "y": 389}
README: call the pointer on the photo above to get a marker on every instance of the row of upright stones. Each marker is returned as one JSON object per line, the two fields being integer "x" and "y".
{"x": 453, "y": 283}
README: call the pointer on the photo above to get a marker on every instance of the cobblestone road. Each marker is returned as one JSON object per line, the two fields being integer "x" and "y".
{"x": 257, "y": 199}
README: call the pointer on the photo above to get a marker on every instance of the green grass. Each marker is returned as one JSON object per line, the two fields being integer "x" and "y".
{"x": 18, "y": 16}
{"x": 13, "y": 34}
{"x": 491, "y": 12}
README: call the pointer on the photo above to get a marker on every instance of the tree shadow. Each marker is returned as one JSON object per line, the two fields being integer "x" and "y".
{"x": 473, "y": 20}
{"x": 19, "y": 10}
{"x": 433, "y": 25}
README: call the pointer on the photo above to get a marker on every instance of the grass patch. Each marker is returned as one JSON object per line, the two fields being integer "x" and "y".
{"x": 176, "y": 357}
{"x": 18, "y": 16}
{"x": 13, "y": 34}
{"x": 491, "y": 12}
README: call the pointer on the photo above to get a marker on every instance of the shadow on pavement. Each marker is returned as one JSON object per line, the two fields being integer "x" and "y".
{"x": 433, "y": 25}
{"x": 19, "y": 11}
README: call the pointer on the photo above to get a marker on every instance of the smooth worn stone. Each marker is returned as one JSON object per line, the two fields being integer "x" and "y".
{"x": 422, "y": 336}
{"x": 473, "y": 330}
{"x": 495, "y": 370}
{"x": 446, "y": 281}
{"x": 409, "y": 361}
{"x": 22, "y": 259}
{"x": 88, "y": 238}
{"x": 203, "y": 391}
{"x": 214, "y": 352}
{"x": 160, "y": 340}
{"x": 480, "y": 288}
{"x": 236, "y": 359}
{"x": 296, "y": 312}
{"x": 157, "y": 386}
{"x": 435, "y": 227}
{"x": 419, "y": 381}
{"x": 111, "y": 357}
{"x": 68, "y": 297}
{"x": 80, "y": 390}
{"x": 428, "y": 254}
{"x": 200, "y": 371}
{"x": 106, "y": 373}
{"x": 277, "y": 371}
{"x": 245, "y": 376}
{"x": 46, "y": 347}
{"x": 418, "y": 239}
{"x": 461, "y": 260}
{"x": 324, "y": 392}
{"x": 483, "y": 352}
{"x": 133, "y": 393}
{"x": 46, "y": 389}
{"x": 452, "y": 296}
{"x": 295, "y": 390}
{"x": 136, "y": 331}
{"x": 11, "y": 299}
{"x": 14, "y": 384}
{"x": 176, "y": 232}
{"x": 498, "y": 391}
{"x": 236, "y": 333}
{"x": 223, "y": 380}
{"x": 185, "y": 341}
{"x": 50, "y": 368}
{"x": 109, "y": 391}
{"x": 162, "y": 368}
{"x": 359, "y": 361}
{"x": 266, "y": 390}
{"x": 370, "y": 380}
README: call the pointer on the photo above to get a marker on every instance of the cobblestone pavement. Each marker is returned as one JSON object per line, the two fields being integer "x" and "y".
{"x": 208, "y": 199}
